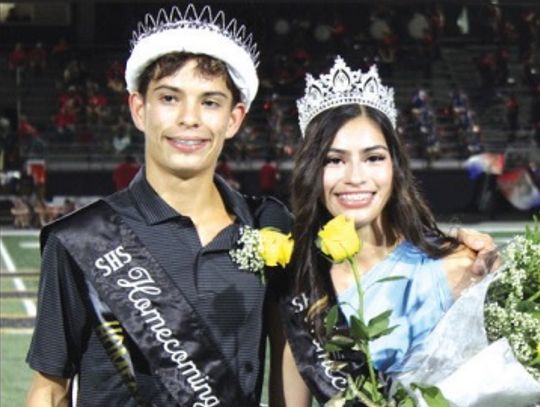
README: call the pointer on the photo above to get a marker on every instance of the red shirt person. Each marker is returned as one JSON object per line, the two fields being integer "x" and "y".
{"x": 124, "y": 172}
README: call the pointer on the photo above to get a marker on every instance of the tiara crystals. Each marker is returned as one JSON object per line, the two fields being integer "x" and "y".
{"x": 190, "y": 19}
{"x": 195, "y": 32}
{"x": 343, "y": 86}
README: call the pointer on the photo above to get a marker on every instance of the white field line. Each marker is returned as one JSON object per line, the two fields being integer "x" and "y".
{"x": 29, "y": 304}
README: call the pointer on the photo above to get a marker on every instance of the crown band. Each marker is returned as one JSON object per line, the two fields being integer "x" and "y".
{"x": 343, "y": 86}
{"x": 197, "y": 33}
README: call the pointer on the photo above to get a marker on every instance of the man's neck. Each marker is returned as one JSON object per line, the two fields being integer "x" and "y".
{"x": 191, "y": 196}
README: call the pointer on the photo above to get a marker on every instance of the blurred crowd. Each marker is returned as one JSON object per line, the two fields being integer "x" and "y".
{"x": 90, "y": 109}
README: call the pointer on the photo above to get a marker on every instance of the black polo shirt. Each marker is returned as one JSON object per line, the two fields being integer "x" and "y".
{"x": 228, "y": 300}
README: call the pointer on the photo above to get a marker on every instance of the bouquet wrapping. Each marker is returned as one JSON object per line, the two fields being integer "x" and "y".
{"x": 470, "y": 371}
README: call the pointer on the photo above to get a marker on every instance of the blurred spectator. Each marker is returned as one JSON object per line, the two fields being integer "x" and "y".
{"x": 268, "y": 177}
{"x": 115, "y": 77}
{"x": 29, "y": 137}
{"x": 67, "y": 207}
{"x": 512, "y": 116}
{"x": 535, "y": 115}
{"x": 17, "y": 58}
{"x": 61, "y": 52}
{"x": 97, "y": 105}
{"x": 485, "y": 65}
{"x": 224, "y": 169}
{"x": 64, "y": 124}
{"x": 124, "y": 172}
{"x": 44, "y": 214}
{"x": 71, "y": 100}
{"x": 21, "y": 213}
{"x": 74, "y": 74}
{"x": 501, "y": 65}
{"x": 121, "y": 141}
{"x": 526, "y": 29}
{"x": 37, "y": 58}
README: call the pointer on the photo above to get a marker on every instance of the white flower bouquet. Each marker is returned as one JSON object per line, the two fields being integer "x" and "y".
{"x": 485, "y": 352}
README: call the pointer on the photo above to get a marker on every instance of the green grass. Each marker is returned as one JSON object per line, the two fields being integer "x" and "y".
{"x": 15, "y": 374}
{"x": 12, "y": 307}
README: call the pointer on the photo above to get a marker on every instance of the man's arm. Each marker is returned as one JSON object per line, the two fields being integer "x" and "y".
{"x": 48, "y": 391}
{"x": 483, "y": 244}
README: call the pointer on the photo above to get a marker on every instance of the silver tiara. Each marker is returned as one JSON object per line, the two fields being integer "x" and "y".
{"x": 343, "y": 86}
{"x": 201, "y": 21}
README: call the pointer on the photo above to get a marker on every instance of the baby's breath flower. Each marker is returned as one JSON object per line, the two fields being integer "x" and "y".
{"x": 514, "y": 298}
{"x": 259, "y": 248}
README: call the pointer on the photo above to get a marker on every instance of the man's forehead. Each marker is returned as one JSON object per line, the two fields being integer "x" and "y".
{"x": 190, "y": 79}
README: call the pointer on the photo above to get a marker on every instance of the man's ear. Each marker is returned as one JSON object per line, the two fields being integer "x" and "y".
{"x": 238, "y": 114}
{"x": 136, "y": 107}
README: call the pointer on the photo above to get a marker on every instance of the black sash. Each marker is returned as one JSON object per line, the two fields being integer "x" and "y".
{"x": 152, "y": 310}
{"x": 316, "y": 365}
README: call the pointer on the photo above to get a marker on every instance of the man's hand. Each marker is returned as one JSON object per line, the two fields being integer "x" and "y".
{"x": 483, "y": 244}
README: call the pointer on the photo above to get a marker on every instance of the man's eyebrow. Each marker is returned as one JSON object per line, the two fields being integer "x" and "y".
{"x": 178, "y": 90}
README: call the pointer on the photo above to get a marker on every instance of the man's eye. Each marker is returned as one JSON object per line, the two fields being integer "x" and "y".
{"x": 211, "y": 103}
{"x": 168, "y": 98}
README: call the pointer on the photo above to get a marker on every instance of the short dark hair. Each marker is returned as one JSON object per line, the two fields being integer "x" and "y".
{"x": 169, "y": 63}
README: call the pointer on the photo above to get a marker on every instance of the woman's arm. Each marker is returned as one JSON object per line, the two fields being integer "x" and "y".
{"x": 294, "y": 388}
{"x": 287, "y": 388}
{"x": 48, "y": 391}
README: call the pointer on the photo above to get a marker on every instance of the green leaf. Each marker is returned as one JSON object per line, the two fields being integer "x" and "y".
{"x": 331, "y": 319}
{"x": 407, "y": 402}
{"x": 432, "y": 395}
{"x": 342, "y": 341}
{"x": 331, "y": 347}
{"x": 359, "y": 330}
{"x": 378, "y": 324}
{"x": 384, "y": 332}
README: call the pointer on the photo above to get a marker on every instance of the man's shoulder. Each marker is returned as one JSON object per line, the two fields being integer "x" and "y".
{"x": 269, "y": 211}
{"x": 78, "y": 223}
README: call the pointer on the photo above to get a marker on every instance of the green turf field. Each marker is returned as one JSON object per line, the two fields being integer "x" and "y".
{"x": 19, "y": 268}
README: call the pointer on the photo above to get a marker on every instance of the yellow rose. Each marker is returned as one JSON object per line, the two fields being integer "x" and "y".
{"x": 275, "y": 247}
{"x": 338, "y": 239}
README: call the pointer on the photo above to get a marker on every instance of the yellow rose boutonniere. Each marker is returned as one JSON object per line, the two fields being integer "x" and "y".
{"x": 338, "y": 239}
{"x": 259, "y": 248}
{"x": 275, "y": 247}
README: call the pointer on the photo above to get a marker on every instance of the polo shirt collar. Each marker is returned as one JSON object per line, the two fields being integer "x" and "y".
{"x": 155, "y": 210}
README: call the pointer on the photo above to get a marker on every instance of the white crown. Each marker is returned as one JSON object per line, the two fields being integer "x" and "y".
{"x": 343, "y": 86}
{"x": 197, "y": 33}
{"x": 204, "y": 20}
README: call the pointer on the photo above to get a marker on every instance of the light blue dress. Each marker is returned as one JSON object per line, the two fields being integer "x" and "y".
{"x": 418, "y": 302}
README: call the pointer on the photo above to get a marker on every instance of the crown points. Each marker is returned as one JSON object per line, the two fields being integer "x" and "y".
{"x": 343, "y": 86}
{"x": 205, "y": 20}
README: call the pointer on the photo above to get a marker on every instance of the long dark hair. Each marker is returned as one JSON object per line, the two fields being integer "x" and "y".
{"x": 405, "y": 215}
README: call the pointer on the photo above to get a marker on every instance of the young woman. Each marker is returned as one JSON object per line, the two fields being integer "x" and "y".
{"x": 353, "y": 163}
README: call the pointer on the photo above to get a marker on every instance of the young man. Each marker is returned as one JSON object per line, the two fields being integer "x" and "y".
{"x": 140, "y": 302}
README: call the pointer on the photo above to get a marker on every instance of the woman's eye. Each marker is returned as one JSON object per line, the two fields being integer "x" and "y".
{"x": 333, "y": 160}
{"x": 376, "y": 158}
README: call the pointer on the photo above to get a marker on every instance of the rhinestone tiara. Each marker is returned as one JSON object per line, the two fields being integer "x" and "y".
{"x": 343, "y": 86}
{"x": 191, "y": 19}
